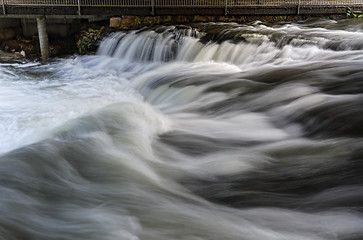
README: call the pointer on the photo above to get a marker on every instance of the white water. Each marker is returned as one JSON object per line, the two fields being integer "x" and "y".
{"x": 183, "y": 135}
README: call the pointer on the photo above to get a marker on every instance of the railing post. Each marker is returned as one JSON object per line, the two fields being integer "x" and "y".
{"x": 298, "y": 8}
{"x": 79, "y": 7}
{"x": 153, "y": 7}
{"x": 226, "y": 7}
{"x": 3, "y": 7}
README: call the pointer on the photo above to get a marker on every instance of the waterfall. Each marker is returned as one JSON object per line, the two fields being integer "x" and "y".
{"x": 242, "y": 45}
{"x": 214, "y": 131}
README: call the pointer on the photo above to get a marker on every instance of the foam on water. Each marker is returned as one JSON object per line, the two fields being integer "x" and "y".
{"x": 217, "y": 131}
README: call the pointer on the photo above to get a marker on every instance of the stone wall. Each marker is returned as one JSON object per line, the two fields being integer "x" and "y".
{"x": 9, "y": 23}
{"x": 136, "y": 22}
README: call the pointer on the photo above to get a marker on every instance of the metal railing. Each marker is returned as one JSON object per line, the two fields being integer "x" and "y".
{"x": 160, "y": 3}
{"x": 152, "y": 4}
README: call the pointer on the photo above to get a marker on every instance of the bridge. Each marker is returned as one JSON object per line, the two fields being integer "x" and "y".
{"x": 87, "y": 8}
{"x": 68, "y": 9}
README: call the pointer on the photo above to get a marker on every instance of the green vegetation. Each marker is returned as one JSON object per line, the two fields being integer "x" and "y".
{"x": 354, "y": 14}
{"x": 88, "y": 39}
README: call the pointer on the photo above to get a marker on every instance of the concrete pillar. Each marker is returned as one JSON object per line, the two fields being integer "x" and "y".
{"x": 43, "y": 38}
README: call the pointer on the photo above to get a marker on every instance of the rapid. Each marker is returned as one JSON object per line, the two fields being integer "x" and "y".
{"x": 215, "y": 131}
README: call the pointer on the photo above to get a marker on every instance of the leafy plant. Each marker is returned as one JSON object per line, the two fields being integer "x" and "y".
{"x": 354, "y": 14}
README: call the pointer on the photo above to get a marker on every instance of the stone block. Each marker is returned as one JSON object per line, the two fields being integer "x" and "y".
{"x": 115, "y": 22}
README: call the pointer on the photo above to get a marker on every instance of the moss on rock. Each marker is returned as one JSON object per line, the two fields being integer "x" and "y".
{"x": 88, "y": 39}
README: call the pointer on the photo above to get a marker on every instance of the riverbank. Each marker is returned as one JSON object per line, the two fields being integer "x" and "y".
{"x": 14, "y": 45}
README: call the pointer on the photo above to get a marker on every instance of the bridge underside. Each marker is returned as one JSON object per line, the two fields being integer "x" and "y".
{"x": 87, "y": 11}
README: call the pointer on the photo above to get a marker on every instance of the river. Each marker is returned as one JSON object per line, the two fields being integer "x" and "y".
{"x": 219, "y": 131}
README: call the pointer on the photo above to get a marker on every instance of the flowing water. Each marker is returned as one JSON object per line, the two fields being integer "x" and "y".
{"x": 216, "y": 131}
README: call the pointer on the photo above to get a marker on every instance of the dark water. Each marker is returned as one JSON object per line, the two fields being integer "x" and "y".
{"x": 216, "y": 131}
